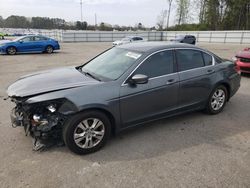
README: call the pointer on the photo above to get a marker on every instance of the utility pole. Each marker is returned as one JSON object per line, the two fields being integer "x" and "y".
{"x": 95, "y": 21}
{"x": 81, "y": 9}
{"x": 248, "y": 14}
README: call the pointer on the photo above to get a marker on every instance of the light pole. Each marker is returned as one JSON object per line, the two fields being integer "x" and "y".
{"x": 95, "y": 22}
{"x": 221, "y": 9}
{"x": 81, "y": 9}
{"x": 248, "y": 14}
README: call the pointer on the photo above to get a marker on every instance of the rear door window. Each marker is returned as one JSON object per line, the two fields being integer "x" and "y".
{"x": 189, "y": 59}
{"x": 207, "y": 59}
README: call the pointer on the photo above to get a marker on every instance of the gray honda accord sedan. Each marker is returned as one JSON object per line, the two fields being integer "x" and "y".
{"x": 122, "y": 87}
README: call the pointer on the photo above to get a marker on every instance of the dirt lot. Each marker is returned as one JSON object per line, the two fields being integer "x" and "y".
{"x": 192, "y": 150}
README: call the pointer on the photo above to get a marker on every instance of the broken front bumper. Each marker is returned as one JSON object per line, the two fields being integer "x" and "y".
{"x": 44, "y": 134}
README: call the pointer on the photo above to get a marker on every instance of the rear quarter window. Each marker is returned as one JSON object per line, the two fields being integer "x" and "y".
{"x": 208, "y": 59}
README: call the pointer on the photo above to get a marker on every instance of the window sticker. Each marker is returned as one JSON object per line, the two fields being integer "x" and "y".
{"x": 133, "y": 55}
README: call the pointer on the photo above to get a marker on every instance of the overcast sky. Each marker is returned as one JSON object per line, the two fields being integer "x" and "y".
{"x": 122, "y": 12}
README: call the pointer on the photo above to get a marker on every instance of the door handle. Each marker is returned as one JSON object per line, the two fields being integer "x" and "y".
{"x": 210, "y": 71}
{"x": 171, "y": 81}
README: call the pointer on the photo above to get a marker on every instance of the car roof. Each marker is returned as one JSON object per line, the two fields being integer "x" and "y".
{"x": 34, "y": 36}
{"x": 145, "y": 47}
{"x": 132, "y": 36}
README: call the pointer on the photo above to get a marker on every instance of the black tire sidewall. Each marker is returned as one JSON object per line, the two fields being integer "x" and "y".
{"x": 10, "y": 48}
{"x": 51, "y": 48}
{"x": 210, "y": 110}
{"x": 70, "y": 125}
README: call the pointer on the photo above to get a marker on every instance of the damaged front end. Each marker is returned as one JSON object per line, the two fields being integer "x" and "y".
{"x": 43, "y": 120}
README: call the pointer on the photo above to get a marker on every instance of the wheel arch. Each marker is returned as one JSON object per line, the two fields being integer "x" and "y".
{"x": 47, "y": 45}
{"x": 6, "y": 49}
{"x": 107, "y": 113}
{"x": 227, "y": 86}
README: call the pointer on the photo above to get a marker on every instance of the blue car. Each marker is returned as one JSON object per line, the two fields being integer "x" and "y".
{"x": 31, "y": 43}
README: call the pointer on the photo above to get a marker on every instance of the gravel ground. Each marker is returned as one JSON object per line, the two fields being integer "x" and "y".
{"x": 192, "y": 150}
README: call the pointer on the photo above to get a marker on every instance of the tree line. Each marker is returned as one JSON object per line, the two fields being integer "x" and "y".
{"x": 210, "y": 15}
{"x": 14, "y": 21}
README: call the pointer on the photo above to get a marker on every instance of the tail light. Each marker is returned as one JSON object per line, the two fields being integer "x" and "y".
{"x": 236, "y": 67}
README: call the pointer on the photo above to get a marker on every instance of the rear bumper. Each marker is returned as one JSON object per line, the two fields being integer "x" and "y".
{"x": 234, "y": 84}
{"x": 57, "y": 47}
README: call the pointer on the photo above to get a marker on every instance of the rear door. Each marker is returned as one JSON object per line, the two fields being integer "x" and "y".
{"x": 196, "y": 71}
{"x": 157, "y": 97}
{"x": 39, "y": 43}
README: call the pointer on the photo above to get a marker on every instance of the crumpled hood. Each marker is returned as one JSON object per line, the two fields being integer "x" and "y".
{"x": 48, "y": 81}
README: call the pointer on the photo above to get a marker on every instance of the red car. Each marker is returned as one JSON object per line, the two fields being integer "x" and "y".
{"x": 242, "y": 60}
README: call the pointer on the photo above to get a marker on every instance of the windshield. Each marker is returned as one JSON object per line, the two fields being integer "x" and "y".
{"x": 125, "y": 39}
{"x": 17, "y": 39}
{"x": 111, "y": 64}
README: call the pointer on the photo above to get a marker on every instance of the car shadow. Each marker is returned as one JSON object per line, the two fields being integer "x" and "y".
{"x": 32, "y": 53}
{"x": 174, "y": 134}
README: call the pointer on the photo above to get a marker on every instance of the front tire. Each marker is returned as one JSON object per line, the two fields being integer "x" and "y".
{"x": 86, "y": 132}
{"x": 11, "y": 51}
{"x": 217, "y": 100}
{"x": 49, "y": 49}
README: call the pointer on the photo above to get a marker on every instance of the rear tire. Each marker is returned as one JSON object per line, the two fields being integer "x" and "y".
{"x": 217, "y": 100}
{"x": 49, "y": 49}
{"x": 86, "y": 132}
{"x": 11, "y": 50}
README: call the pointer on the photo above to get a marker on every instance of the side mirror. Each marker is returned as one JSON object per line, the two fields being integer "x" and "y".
{"x": 21, "y": 41}
{"x": 138, "y": 79}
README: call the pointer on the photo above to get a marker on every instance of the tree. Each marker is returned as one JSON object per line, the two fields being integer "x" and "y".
{"x": 105, "y": 27}
{"x": 1, "y": 21}
{"x": 201, "y": 7}
{"x": 16, "y": 22}
{"x": 182, "y": 11}
{"x": 81, "y": 25}
{"x": 169, "y": 11}
{"x": 161, "y": 20}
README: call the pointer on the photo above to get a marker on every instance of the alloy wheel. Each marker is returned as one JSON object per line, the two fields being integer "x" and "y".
{"x": 89, "y": 133}
{"x": 49, "y": 49}
{"x": 218, "y": 99}
{"x": 11, "y": 51}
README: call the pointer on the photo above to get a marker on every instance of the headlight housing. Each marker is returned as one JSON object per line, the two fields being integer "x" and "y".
{"x": 51, "y": 108}
{"x": 234, "y": 59}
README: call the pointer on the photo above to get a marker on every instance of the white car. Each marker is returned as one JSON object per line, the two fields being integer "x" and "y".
{"x": 128, "y": 40}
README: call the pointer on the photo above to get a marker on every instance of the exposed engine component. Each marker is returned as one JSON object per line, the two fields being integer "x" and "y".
{"x": 41, "y": 121}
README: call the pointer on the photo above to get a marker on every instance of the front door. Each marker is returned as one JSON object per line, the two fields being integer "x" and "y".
{"x": 157, "y": 97}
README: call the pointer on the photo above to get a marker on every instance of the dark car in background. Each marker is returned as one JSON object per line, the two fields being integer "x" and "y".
{"x": 188, "y": 39}
{"x": 28, "y": 44}
{"x": 123, "y": 87}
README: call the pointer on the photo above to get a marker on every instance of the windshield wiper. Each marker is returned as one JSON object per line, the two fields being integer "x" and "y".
{"x": 91, "y": 75}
